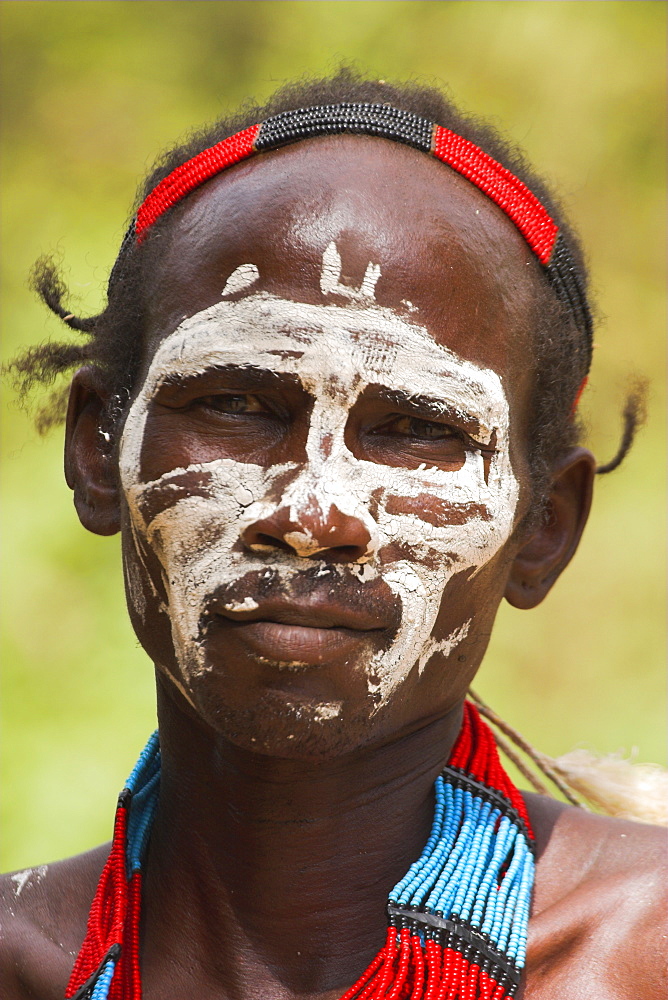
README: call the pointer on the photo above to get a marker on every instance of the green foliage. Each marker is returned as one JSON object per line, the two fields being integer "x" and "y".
{"x": 93, "y": 91}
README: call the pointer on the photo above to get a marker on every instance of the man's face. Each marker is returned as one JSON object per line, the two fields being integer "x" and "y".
{"x": 319, "y": 469}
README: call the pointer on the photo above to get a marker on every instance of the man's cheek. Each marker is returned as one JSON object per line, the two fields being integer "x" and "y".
{"x": 188, "y": 511}
{"x": 147, "y": 601}
{"x": 432, "y": 530}
{"x": 163, "y": 493}
{"x": 439, "y": 512}
{"x": 432, "y": 557}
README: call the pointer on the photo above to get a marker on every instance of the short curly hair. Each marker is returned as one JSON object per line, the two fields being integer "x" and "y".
{"x": 112, "y": 339}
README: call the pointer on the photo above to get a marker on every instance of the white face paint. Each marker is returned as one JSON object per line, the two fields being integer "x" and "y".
{"x": 335, "y": 351}
{"x": 28, "y": 875}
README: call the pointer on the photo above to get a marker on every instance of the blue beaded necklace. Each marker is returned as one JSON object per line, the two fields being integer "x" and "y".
{"x": 457, "y": 921}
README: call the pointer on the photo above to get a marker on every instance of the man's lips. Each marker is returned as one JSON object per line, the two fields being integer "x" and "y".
{"x": 297, "y": 633}
{"x": 320, "y": 615}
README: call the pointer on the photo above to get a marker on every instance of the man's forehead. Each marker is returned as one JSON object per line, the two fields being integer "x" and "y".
{"x": 439, "y": 242}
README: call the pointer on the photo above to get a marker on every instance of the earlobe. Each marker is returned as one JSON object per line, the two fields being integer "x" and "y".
{"x": 552, "y": 545}
{"x": 90, "y": 465}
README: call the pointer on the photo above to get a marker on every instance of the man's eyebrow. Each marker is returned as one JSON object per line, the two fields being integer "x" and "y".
{"x": 242, "y": 376}
{"x": 430, "y": 407}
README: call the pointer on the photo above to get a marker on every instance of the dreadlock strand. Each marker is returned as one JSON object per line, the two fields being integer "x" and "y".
{"x": 47, "y": 282}
{"x": 633, "y": 417}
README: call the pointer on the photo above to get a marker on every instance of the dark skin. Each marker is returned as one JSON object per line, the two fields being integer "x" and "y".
{"x": 281, "y": 855}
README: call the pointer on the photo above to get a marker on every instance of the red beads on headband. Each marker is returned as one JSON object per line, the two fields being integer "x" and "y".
{"x": 498, "y": 183}
{"x": 192, "y": 173}
{"x": 501, "y": 186}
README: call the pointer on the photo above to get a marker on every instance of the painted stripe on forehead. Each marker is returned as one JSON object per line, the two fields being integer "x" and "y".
{"x": 364, "y": 346}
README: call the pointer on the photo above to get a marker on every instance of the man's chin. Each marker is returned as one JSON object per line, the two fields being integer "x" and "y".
{"x": 285, "y": 724}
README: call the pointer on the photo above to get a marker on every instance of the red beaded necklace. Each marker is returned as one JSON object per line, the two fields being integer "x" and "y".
{"x": 457, "y": 920}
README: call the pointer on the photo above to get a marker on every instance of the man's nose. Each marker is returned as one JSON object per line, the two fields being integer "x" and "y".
{"x": 336, "y": 537}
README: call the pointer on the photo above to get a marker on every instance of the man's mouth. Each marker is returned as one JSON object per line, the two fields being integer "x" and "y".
{"x": 320, "y": 615}
{"x": 310, "y": 632}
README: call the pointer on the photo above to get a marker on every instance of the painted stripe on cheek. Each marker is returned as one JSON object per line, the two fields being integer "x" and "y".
{"x": 165, "y": 493}
{"x": 436, "y": 511}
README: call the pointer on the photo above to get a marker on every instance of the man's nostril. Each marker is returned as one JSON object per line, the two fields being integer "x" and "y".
{"x": 269, "y": 542}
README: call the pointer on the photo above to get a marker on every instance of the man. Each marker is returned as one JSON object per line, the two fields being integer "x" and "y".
{"x": 330, "y": 409}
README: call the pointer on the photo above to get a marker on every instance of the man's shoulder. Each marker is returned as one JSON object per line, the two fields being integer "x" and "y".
{"x": 577, "y": 849}
{"x": 43, "y": 913}
{"x": 601, "y": 903}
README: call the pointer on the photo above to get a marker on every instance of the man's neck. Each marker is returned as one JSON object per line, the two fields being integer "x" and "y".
{"x": 280, "y": 868}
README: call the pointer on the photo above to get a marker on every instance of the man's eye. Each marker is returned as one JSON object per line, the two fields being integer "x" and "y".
{"x": 231, "y": 403}
{"x": 414, "y": 427}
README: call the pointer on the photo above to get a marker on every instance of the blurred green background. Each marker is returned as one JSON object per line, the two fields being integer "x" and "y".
{"x": 92, "y": 91}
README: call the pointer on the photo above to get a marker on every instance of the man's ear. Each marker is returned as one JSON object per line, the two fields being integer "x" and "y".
{"x": 91, "y": 468}
{"x": 551, "y": 546}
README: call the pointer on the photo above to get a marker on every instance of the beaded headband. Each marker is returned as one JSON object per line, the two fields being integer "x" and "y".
{"x": 494, "y": 180}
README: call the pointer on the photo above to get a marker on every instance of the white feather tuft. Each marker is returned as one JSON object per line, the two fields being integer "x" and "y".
{"x": 616, "y": 785}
